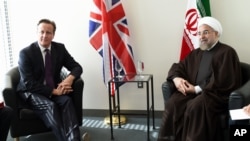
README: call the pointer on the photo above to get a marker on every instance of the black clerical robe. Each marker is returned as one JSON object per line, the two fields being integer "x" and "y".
{"x": 195, "y": 117}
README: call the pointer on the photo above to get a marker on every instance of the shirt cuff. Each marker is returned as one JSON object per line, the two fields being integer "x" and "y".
{"x": 197, "y": 89}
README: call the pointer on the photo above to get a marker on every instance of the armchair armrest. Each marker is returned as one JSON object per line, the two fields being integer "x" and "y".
{"x": 240, "y": 97}
{"x": 9, "y": 93}
{"x": 167, "y": 90}
{"x": 77, "y": 96}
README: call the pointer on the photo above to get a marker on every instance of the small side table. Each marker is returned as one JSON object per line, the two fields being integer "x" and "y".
{"x": 114, "y": 108}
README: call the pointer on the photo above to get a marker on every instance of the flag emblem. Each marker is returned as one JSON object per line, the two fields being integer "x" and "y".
{"x": 195, "y": 10}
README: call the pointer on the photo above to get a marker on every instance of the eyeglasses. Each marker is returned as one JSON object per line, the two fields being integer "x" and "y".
{"x": 205, "y": 32}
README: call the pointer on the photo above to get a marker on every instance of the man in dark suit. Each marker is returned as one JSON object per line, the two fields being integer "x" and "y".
{"x": 40, "y": 85}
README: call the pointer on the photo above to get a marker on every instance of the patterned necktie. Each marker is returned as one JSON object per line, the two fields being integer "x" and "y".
{"x": 48, "y": 70}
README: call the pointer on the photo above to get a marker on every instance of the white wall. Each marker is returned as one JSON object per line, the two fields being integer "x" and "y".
{"x": 156, "y": 28}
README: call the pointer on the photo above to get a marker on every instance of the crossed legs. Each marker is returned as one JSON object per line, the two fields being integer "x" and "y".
{"x": 58, "y": 113}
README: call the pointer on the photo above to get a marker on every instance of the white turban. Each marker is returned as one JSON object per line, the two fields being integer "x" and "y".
{"x": 212, "y": 22}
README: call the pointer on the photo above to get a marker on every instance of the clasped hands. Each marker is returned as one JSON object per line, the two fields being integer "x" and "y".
{"x": 183, "y": 86}
{"x": 64, "y": 87}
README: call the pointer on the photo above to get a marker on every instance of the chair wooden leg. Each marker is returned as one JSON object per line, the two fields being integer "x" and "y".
{"x": 16, "y": 139}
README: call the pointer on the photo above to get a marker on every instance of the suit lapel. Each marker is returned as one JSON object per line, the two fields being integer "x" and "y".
{"x": 39, "y": 56}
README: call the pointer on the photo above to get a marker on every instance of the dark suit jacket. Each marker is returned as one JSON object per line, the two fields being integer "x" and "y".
{"x": 32, "y": 71}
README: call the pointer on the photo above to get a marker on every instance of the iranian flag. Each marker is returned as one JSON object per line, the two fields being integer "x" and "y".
{"x": 195, "y": 9}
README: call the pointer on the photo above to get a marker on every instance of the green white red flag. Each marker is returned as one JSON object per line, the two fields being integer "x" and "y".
{"x": 195, "y": 9}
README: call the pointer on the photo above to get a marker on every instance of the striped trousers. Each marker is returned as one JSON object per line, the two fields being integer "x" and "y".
{"x": 58, "y": 113}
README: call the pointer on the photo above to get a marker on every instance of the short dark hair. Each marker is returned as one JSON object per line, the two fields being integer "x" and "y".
{"x": 48, "y": 22}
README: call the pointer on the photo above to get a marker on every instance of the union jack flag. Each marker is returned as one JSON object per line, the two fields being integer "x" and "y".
{"x": 109, "y": 35}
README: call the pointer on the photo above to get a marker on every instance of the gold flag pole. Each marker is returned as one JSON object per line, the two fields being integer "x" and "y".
{"x": 115, "y": 118}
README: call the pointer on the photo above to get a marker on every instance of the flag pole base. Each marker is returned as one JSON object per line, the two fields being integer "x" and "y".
{"x": 115, "y": 120}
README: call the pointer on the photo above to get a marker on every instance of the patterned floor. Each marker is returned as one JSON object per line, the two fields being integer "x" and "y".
{"x": 95, "y": 125}
{"x": 98, "y": 123}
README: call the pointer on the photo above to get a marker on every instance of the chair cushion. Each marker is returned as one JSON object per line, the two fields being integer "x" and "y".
{"x": 27, "y": 114}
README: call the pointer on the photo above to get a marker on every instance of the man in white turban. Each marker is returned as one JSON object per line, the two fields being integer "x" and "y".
{"x": 200, "y": 86}
{"x": 212, "y": 22}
